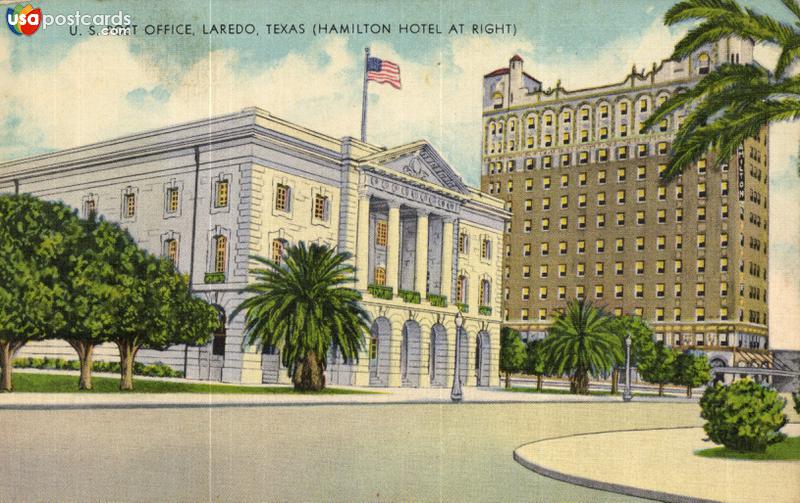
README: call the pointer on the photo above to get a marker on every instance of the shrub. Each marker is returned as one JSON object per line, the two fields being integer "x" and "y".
{"x": 157, "y": 369}
{"x": 744, "y": 416}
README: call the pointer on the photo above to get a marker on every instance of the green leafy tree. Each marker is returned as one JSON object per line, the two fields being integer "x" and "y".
{"x": 33, "y": 238}
{"x": 580, "y": 344}
{"x": 512, "y": 353}
{"x": 744, "y": 416}
{"x": 658, "y": 367}
{"x": 151, "y": 305}
{"x": 535, "y": 363}
{"x": 302, "y": 306}
{"x": 691, "y": 370}
{"x": 735, "y": 101}
{"x": 87, "y": 275}
{"x": 642, "y": 346}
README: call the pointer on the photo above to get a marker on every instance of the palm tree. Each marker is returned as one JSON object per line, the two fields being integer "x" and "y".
{"x": 580, "y": 344}
{"x": 301, "y": 306}
{"x": 735, "y": 101}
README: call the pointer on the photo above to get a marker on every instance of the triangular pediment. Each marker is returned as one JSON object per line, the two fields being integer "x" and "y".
{"x": 419, "y": 160}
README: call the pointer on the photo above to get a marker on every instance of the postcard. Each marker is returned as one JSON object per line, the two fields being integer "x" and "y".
{"x": 390, "y": 250}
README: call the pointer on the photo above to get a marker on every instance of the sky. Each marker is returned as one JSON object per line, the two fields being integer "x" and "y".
{"x": 66, "y": 90}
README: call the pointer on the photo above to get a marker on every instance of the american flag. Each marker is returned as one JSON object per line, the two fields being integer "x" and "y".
{"x": 383, "y": 71}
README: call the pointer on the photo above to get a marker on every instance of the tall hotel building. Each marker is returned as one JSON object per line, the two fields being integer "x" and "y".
{"x": 592, "y": 219}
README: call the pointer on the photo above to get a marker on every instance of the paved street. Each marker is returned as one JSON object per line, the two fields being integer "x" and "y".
{"x": 369, "y": 452}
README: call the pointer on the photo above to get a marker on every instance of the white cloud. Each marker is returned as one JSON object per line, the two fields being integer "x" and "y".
{"x": 784, "y": 237}
{"x": 595, "y": 65}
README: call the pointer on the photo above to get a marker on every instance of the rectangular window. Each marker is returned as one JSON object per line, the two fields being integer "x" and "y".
{"x": 486, "y": 249}
{"x": 601, "y": 176}
{"x": 543, "y": 270}
{"x": 661, "y": 242}
{"x": 620, "y": 174}
{"x": 639, "y": 267}
{"x": 562, "y": 292}
{"x": 661, "y": 266}
{"x": 602, "y": 155}
{"x": 620, "y": 197}
{"x": 282, "y": 197}
{"x": 641, "y": 150}
{"x": 600, "y": 245}
{"x": 601, "y": 198}
{"x": 547, "y": 161}
{"x": 129, "y": 207}
{"x": 582, "y": 201}
{"x": 381, "y": 232}
{"x": 599, "y": 268}
{"x": 221, "y": 194}
{"x": 618, "y": 291}
{"x": 660, "y": 289}
{"x": 562, "y": 270}
{"x": 662, "y": 193}
{"x": 700, "y": 289}
{"x": 321, "y": 207}
{"x": 641, "y": 195}
{"x": 640, "y": 217}
{"x": 565, "y": 180}
{"x": 619, "y": 268}
{"x": 172, "y": 251}
{"x": 601, "y": 220}
{"x": 678, "y": 266}
{"x": 582, "y": 221}
{"x": 580, "y": 269}
{"x": 598, "y": 291}
{"x": 640, "y": 243}
{"x": 641, "y": 172}
{"x": 622, "y": 152}
{"x": 463, "y": 242}
{"x": 173, "y": 198}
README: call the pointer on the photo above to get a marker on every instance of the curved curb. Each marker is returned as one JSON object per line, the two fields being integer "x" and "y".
{"x": 607, "y": 486}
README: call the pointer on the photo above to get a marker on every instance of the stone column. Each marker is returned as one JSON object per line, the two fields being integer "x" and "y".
{"x": 393, "y": 246}
{"x": 447, "y": 260}
{"x": 421, "y": 270}
{"x": 362, "y": 243}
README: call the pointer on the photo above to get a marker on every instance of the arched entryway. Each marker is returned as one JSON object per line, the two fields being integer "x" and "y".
{"x": 270, "y": 365}
{"x": 339, "y": 369}
{"x": 437, "y": 356}
{"x": 380, "y": 336}
{"x": 212, "y": 355}
{"x": 482, "y": 358}
{"x": 410, "y": 354}
{"x": 718, "y": 376}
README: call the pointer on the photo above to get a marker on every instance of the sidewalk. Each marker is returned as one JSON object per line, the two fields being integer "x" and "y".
{"x": 20, "y": 401}
{"x": 661, "y": 465}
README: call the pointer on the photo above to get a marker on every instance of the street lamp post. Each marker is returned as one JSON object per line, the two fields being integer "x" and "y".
{"x": 627, "y": 396}
{"x": 455, "y": 393}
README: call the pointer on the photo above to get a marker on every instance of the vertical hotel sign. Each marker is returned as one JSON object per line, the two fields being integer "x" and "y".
{"x": 740, "y": 170}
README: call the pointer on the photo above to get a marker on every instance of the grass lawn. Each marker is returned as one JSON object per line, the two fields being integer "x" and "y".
{"x": 788, "y": 450}
{"x": 58, "y": 383}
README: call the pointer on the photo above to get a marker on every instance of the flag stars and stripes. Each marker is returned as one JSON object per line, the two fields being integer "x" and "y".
{"x": 383, "y": 71}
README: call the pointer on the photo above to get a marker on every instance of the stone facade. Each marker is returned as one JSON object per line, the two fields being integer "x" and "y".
{"x": 592, "y": 218}
{"x": 209, "y": 194}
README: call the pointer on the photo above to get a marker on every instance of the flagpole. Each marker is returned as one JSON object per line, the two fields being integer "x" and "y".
{"x": 364, "y": 99}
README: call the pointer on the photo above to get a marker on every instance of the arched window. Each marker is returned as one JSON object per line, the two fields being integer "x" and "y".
{"x": 491, "y": 127}
{"x": 220, "y": 253}
{"x": 486, "y": 292}
{"x": 703, "y": 63}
